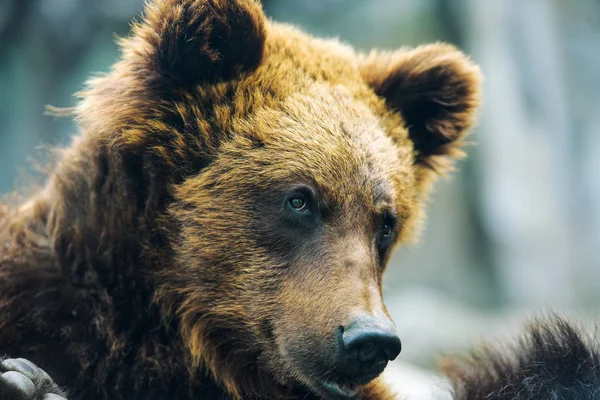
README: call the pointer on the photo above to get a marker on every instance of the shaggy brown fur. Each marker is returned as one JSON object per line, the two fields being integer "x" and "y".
{"x": 160, "y": 260}
{"x": 554, "y": 360}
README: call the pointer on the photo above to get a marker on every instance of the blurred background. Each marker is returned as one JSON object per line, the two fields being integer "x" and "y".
{"x": 515, "y": 233}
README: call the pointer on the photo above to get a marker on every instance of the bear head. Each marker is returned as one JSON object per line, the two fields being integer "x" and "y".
{"x": 285, "y": 168}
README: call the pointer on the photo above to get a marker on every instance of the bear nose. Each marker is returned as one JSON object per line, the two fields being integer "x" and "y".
{"x": 367, "y": 346}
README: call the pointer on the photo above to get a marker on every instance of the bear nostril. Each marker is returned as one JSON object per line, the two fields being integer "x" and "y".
{"x": 391, "y": 347}
{"x": 391, "y": 352}
{"x": 367, "y": 352}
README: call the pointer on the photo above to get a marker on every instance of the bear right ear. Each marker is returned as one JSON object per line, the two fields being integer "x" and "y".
{"x": 436, "y": 90}
{"x": 187, "y": 42}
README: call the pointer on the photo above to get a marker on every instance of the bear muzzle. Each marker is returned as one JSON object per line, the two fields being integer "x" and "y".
{"x": 365, "y": 346}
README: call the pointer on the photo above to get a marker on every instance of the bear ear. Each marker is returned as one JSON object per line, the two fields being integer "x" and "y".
{"x": 196, "y": 41}
{"x": 436, "y": 89}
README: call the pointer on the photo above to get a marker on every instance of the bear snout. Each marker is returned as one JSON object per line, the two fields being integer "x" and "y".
{"x": 366, "y": 346}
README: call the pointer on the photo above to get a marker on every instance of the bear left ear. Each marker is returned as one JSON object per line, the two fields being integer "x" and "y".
{"x": 436, "y": 89}
{"x": 186, "y": 42}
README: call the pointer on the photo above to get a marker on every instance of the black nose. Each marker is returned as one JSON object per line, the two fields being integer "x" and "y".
{"x": 367, "y": 346}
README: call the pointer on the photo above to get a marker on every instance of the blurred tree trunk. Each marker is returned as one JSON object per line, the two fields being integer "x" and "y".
{"x": 524, "y": 150}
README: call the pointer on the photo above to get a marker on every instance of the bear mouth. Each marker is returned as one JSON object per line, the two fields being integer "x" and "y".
{"x": 341, "y": 391}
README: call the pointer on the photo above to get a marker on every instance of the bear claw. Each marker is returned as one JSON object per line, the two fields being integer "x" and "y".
{"x": 20, "y": 382}
{"x": 52, "y": 396}
{"x": 20, "y": 379}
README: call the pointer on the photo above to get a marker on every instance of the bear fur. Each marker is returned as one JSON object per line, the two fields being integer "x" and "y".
{"x": 554, "y": 359}
{"x": 158, "y": 260}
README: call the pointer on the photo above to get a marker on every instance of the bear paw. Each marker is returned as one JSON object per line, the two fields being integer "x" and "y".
{"x": 21, "y": 379}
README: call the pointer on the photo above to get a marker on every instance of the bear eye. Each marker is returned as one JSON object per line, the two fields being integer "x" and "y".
{"x": 386, "y": 230}
{"x": 387, "y": 227}
{"x": 299, "y": 204}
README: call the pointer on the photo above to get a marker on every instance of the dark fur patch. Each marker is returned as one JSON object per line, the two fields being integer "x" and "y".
{"x": 553, "y": 360}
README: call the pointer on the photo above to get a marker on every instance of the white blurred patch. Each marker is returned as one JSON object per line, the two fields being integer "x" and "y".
{"x": 413, "y": 383}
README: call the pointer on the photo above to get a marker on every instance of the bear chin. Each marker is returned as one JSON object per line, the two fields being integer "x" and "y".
{"x": 341, "y": 391}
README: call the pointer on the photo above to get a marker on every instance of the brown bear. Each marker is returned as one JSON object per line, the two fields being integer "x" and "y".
{"x": 220, "y": 226}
